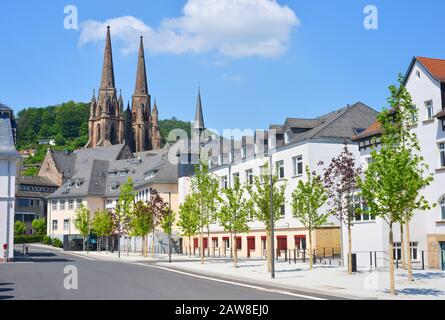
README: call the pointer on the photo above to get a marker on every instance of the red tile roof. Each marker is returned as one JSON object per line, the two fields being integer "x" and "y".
{"x": 374, "y": 129}
{"x": 435, "y": 66}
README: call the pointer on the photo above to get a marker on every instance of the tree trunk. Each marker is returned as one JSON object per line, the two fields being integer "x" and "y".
{"x": 311, "y": 257}
{"x": 349, "y": 249}
{"x": 190, "y": 246}
{"x": 83, "y": 243}
{"x": 403, "y": 247}
{"x": 208, "y": 241}
{"x": 201, "y": 249}
{"x": 269, "y": 251}
{"x": 391, "y": 262}
{"x": 153, "y": 244}
{"x": 106, "y": 244}
{"x": 235, "y": 249}
{"x": 231, "y": 246}
{"x": 409, "y": 260}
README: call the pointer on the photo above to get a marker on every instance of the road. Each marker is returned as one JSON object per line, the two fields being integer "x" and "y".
{"x": 41, "y": 276}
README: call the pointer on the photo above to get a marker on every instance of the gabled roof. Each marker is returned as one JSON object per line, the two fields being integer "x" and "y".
{"x": 436, "y": 67}
{"x": 372, "y": 130}
{"x": 7, "y": 146}
{"x": 36, "y": 181}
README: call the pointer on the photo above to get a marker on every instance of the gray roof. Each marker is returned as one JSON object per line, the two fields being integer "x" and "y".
{"x": 4, "y": 107}
{"x": 101, "y": 171}
{"x": 7, "y": 146}
{"x": 36, "y": 181}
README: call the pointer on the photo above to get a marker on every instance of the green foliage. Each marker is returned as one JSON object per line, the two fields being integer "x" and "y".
{"x": 19, "y": 228}
{"x": 141, "y": 221}
{"x": 82, "y": 220}
{"x": 39, "y": 226}
{"x": 28, "y": 239}
{"x": 168, "y": 221}
{"x": 124, "y": 207}
{"x": 165, "y": 126}
{"x": 47, "y": 240}
{"x": 235, "y": 209}
{"x": 102, "y": 223}
{"x": 260, "y": 195}
{"x": 189, "y": 217}
{"x": 31, "y": 171}
{"x": 307, "y": 198}
{"x": 57, "y": 243}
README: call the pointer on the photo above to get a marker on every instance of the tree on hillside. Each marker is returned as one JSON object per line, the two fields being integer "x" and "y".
{"x": 102, "y": 225}
{"x": 397, "y": 173}
{"x": 124, "y": 209}
{"x": 340, "y": 180}
{"x": 307, "y": 199}
{"x": 82, "y": 222}
{"x": 234, "y": 213}
{"x": 260, "y": 195}
{"x": 189, "y": 218}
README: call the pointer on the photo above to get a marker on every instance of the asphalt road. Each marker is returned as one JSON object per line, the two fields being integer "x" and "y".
{"x": 41, "y": 277}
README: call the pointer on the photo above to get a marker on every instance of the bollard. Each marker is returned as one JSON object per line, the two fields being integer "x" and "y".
{"x": 324, "y": 253}
{"x": 285, "y": 256}
{"x": 423, "y": 260}
{"x": 375, "y": 260}
{"x": 397, "y": 263}
{"x": 295, "y": 256}
{"x": 370, "y": 259}
{"x": 304, "y": 256}
{"x": 314, "y": 257}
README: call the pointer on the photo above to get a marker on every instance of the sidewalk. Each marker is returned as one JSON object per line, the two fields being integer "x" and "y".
{"x": 331, "y": 280}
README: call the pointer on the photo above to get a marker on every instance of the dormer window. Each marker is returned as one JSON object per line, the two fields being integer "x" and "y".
{"x": 150, "y": 174}
{"x": 286, "y": 137}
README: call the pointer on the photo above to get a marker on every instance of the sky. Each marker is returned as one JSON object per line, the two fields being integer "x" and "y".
{"x": 256, "y": 61}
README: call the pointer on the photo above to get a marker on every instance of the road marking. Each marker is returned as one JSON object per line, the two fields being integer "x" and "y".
{"x": 231, "y": 282}
{"x": 80, "y": 256}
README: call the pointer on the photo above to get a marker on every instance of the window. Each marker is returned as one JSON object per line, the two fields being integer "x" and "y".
{"x": 429, "y": 109}
{"x": 361, "y": 214}
{"x": 249, "y": 176}
{"x": 418, "y": 75}
{"x": 109, "y": 202}
{"x": 298, "y": 165}
{"x": 62, "y": 204}
{"x": 397, "y": 251}
{"x": 224, "y": 184}
{"x": 79, "y": 203}
{"x": 54, "y": 204}
{"x": 66, "y": 224}
{"x": 23, "y": 202}
{"x": 71, "y": 204}
{"x": 283, "y": 211}
{"x": 443, "y": 124}
{"x": 442, "y": 208}
{"x": 414, "y": 250}
{"x": 55, "y": 225}
{"x": 442, "y": 154}
{"x": 280, "y": 169}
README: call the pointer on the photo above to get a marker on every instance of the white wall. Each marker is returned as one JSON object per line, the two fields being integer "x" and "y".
{"x": 7, "y": 205}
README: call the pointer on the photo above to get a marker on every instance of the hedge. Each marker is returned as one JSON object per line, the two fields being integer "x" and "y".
{"x": 28, "y": 239}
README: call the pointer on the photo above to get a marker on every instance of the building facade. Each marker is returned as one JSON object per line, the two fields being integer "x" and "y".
{"x": 8, "y": 163}
{"x": 425, "y": 80}
{"x": 291, "y": 147}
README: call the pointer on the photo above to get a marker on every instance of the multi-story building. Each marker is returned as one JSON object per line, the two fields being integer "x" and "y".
{"x": 425, "y": 80}
{"x": 292, "y": 146}
{"x": 8, "y": 162}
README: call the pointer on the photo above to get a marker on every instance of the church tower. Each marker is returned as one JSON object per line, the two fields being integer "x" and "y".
{"x": 141, "y": 106}
{"x": 106, "y": 122}
{"x": 156, "y": 135}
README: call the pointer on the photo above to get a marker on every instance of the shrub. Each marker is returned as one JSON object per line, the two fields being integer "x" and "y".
{"x": 57, "y": 243}
{"x": 47, "y": 240}
{"x": 28, "y": 239}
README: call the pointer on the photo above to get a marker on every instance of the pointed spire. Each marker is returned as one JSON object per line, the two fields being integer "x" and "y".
{"x": 93, "y": 99}
{"x": 120, "y": 101}
{"x": 155, "y": 108}
{"x": 141, "y": 73}
{"x": 199, "y": 118}
{"x": 107, "y": 81}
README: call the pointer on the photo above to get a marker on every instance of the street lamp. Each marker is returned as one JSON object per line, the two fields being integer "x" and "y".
{"x": 170, "y": 227}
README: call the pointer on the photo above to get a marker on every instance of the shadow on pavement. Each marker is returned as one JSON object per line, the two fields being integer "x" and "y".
{"x": 38, "y": 257}
{"x": 4, "y": 297}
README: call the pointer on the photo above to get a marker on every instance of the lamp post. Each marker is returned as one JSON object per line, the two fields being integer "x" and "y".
{"x": 272, "y": 244}
{"x": 170, "y": 227}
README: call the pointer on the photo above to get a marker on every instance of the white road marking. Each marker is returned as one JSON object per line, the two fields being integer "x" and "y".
{"x": 80, "y": 256}
{"x": 231, "y": 282}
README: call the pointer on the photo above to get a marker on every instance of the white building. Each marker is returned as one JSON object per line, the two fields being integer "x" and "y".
{"x": 8, "y": 162}
{"x": 299, "y": 143}
{"x": 425, "y": 80}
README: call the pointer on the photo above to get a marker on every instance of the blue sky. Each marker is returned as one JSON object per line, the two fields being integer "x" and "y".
{"x": 327, "y": 60}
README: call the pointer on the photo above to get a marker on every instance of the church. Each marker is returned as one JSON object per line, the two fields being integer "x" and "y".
{"x": 109, "y": 124}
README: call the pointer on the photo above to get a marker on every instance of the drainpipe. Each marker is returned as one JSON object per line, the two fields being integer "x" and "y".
{"x": 8, "y": 211}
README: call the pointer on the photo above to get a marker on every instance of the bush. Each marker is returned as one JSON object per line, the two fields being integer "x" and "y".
{"x": 57, "y": 243}
{"x": 28, "y": 239}
{"x": 47, "y": 240}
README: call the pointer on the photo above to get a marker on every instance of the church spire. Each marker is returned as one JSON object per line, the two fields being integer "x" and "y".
{"x": 199, "y": 118}
{"x": 107, "y": 81}
{"x": 141, "y": 75}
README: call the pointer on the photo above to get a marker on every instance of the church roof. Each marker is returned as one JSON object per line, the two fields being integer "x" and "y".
{"x": 7, "y": 146}
{"x": 141, "y": 87}
{"x": 107, "y": 80}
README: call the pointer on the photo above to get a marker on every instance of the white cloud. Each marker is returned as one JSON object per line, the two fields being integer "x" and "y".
{"x": 233, "y": 28}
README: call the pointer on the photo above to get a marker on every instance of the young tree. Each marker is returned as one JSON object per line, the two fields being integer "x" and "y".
{"x": 19, "y": 228}
{"x": 189, "y": 218}
{"x": 39, "y": 225}
{"x": 141, "y": 223}
{"x": 159, "y": 209}
{"x": 340, "y": 180}
{"x": 82, "y": 222}
{"x": 205, "y": 186}
{"x": 102, "y": 226}
{"x": 260, "y": 193}
{"x": 234, "y": 213}
{"x": 124, "y": 210}
{"x": 307, "y": 199}
{"x": 397, "y": 173}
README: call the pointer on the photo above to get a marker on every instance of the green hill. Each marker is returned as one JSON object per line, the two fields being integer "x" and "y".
{"x": 67, "y": 124}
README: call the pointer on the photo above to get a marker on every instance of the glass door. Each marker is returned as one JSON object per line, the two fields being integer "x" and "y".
{"x": 442, "y": 254}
